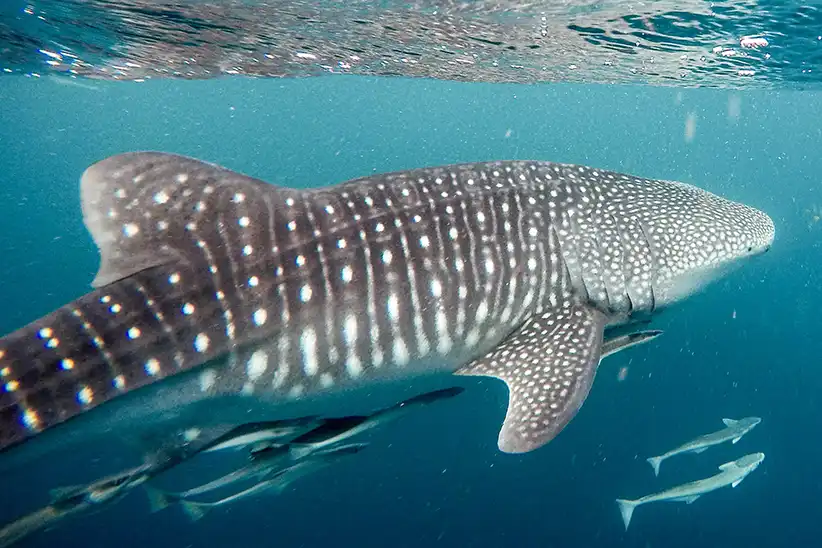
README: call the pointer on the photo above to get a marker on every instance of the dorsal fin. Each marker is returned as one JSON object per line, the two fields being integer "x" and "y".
{"x": 139, "y": 206}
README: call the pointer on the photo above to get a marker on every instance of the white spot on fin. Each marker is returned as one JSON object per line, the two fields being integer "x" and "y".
{"x": 128, "y": 244}
{"x": 549, "y": 365}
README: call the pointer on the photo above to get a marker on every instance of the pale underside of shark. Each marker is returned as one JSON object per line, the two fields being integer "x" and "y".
{"x": 273, "y": 446}
{"x": 224, "y": 295}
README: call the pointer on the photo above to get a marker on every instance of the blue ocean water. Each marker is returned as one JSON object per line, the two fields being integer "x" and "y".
{"x": 748, "y": 345}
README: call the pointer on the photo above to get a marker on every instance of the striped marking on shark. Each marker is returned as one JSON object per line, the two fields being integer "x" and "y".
{"x": 509, "y": 269}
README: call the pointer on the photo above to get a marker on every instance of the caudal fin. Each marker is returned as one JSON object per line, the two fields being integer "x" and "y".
{"x": 626, "y": 508}
{"x": 157, "y": 499}
{"x": 194, "y": 510}
{"x": 301, "y": 451}
{"x": 655, "y": 462}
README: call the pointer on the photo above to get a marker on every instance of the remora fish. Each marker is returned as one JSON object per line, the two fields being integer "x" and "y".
{"x": 219, "y": 284}
{"x": 207, "y": 438}
{"x": 334, "y": 431}
{"x": 623, "y": 342}
{"x": 263, "y": 463}
{"x": 732, "y": 473}
{"x": 68, "y": 501}
{"x": 277, "y": 481}
{"x": 267, "y": 460}
{"x": 168, "y": 454}
{"x": 733, "y": 432}
{"x": 261, "y": 434}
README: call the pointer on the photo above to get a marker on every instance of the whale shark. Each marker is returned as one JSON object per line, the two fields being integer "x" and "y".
{"x": 731, "y": 473}
{"x": 733, "y": 432}
{"x": 240, "y": 299}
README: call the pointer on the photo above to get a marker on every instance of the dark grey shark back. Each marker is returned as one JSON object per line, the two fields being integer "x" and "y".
{"x": 166, "y": 253}
{"x": 200, "y": 263}
{"x": 294, "y": 292}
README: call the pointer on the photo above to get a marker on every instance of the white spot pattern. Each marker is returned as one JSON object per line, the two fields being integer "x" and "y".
{"x": 201, "y": 342}
{"x": 257, "y": 365}
{"x": 393, "y": 267}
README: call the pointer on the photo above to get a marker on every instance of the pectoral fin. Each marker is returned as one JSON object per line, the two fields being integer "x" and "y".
{"x": 549, "y": 365}
{"x": 690, "y": 500}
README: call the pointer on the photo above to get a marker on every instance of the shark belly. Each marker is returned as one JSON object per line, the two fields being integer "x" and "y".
{"x": 307, "y": 354}
{"x": 164, "y": 414}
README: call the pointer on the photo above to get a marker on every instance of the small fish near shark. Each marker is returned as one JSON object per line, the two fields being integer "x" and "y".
{"x": 733, "y": 432}
{"x": 277, "y": 480}
{"x": 273, "y": 463}
{"x": 214, "y": 286}
{"x": 731, "y": 473}
{"x": 69, "y": 501}
{"x": 259, "y": 434}
{"x": 320, "y": 440}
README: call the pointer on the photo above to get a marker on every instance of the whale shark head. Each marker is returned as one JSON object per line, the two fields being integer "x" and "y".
{"x": 697, "y": 237}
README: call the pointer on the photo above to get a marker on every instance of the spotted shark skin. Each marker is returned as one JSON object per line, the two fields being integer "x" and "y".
{"x": 509, "y": 269}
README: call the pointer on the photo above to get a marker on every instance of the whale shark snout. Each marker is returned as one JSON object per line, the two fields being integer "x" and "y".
{"x": 700, "y": 237}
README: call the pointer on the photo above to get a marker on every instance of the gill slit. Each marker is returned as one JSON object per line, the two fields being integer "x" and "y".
{"x": 653, "y": 262}
{"x": 625, "y": 250}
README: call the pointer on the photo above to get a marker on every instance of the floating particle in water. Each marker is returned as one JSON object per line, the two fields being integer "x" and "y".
{"x": 623, "y": 373}
{"x": 690, "y": 127}
{"x": 814, "y": 214}
{"x": 734, "y": 107}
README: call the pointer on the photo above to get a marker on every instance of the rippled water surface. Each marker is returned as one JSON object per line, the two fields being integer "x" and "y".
{"x": 686, "y": 43}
